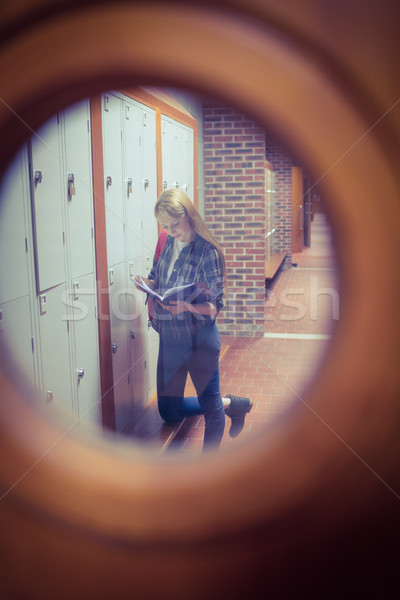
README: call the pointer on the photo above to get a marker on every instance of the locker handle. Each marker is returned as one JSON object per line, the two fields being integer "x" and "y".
{"x": 108, "y": 181}
{"x": 164, "y": 184}
{"x": 71, "y": 185}
{"x": 114, "y": 348}
{"x": 176, "y": 184}
{"x": 38, "y": 176}
{"x": 80, "y": 373}
{"x": 146, "y": 183}
{"x": 129, "y": 183}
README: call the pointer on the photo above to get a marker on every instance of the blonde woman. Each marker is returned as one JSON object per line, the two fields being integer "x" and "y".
{"x": 189, "y": 338}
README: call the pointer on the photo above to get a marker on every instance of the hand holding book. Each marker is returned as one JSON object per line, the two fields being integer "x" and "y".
{"x": 193, "y": 293}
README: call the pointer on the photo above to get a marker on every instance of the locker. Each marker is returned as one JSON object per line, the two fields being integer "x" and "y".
{"x": 132, "y": 175}
{"x": 14, "y": 195}
{"x": 177, "y": 156}
{"x": 133, "y": 143}
{"x": 54, "y": 318}
{"x": 83, "y": 327}
{"x": 167, "y": 152}
{"x": 137, "y": 341}
{"x": 16, "y": 335}
{"x": 149, "y": 185}
{"x": 77, "y": 182}
{"x": 47, "y": 206}
{"x": 120, "y": 341}
{"x": 188, "y": 163}
{"x": 152, "y": 341}
{"x": 114, "y": 192}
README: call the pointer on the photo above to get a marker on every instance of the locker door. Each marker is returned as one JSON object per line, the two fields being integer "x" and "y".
{"x": 167, "y": 152}
{"x": 149, "y": 187}
{"x": 16, "y": 334}
{"x": 188, "y": 163}
{"x": 179, "y": 156}
{"x": 133, "y": 179}
{"x": 54, "y": 345}
{"x": 79, "y": 193}
{"x": 82, "y": 300}
{"x": 114, "y": 195}
{"x": 152, "y": 342}
{"x": 13, "y": 248}
{"x": 137, "y": 336}
{"x": 47, "y": 206}
{"x": 119, "y": 340}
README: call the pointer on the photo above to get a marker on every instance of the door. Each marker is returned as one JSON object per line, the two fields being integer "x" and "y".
{"x": 114, "y": 193}
{"x": 307, "y": 211}
{"x": 133, "y": 141}
{"x": 119, "y": 346}
{"x": 78, "y": 189}
{"x": 57, "y": 394}
{"x": 49, "y": 236}
{"x": 297, "y": 209}
{"x": 85, "y": 367}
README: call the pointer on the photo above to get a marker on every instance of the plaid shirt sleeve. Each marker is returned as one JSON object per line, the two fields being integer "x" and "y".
{"x": 212, "y": 275}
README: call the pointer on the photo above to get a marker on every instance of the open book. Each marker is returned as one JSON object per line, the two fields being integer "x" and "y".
{"x": 195, "y": 293}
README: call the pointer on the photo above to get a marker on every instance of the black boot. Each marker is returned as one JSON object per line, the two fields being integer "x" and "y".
{"x": 237, "y": 411}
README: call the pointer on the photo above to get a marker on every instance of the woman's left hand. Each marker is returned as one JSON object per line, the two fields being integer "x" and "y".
{"x": 175, "y": 308}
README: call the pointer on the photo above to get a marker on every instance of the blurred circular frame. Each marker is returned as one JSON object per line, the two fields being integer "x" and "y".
{"x": 304, "y": 455}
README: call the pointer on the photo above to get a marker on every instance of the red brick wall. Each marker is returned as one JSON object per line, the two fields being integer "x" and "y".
{"x": 234, "y": 198}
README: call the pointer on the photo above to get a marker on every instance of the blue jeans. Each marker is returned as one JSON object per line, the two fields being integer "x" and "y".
{"x": 199, "y": 356}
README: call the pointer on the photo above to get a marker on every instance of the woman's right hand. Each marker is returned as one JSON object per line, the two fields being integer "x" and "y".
{"x": 149, "y": 282}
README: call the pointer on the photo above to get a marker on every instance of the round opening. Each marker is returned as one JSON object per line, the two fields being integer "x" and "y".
{"x": 275, "y": 326}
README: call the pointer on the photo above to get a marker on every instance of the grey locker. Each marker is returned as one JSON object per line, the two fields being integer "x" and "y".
{"x": 83, "y": 327}
{"x": 77, "y": 183}
{"x": 48, "y": 206}
{"x": 133, "y": 161}
{"x": 152, "y": 342}
{"x": 168, "y": 134}
{"x": 177, "y": 156}
{"x": 16, "y": 336}
{"x": 14, "y": 196}
{"x": 137, "y": 346}
{"x": 120, "y": 342}
{"x": 187, "y": 176}
{"x": 149, "y": 186}
{"x": 132, "y": 142}
{"x": 55, "y": 353}
{"x": 114, "y": 192}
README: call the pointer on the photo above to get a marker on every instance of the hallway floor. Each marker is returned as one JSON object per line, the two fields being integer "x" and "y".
{"x": 301, "y": 309}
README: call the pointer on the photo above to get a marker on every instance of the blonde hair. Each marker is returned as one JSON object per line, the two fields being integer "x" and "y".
{"x": 175, "y": 203}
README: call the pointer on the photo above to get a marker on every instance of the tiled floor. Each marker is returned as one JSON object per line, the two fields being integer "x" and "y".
{"x": 301, "y": 309}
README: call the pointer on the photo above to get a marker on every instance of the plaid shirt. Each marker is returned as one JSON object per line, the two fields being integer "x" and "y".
{"x": 198, "y": 261}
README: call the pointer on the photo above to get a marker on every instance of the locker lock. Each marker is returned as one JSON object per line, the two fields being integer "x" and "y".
{"x": 80, "y": 373}
{"x": 71, "y": 185}
{"x": 176, "y": 184}
{"x": 129, "y": 182}
{"x": 114, "y": 348}
{"x": 146, "y": 183}
{"x": 108, "y": 181}
{"x": 133, "y": 334}
{"x": 37, "y": 176}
